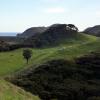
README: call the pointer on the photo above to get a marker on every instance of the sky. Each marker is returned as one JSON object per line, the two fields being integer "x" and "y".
{"x": 18, "y": 15}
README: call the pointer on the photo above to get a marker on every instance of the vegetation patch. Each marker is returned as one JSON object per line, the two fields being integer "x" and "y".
{"x": 63, "y": 79}
{"x": 12, "y": 92}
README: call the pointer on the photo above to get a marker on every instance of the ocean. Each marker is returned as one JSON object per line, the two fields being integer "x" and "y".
{"x": 8, "y": 33}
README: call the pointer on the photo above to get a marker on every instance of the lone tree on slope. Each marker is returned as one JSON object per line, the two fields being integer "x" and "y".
{"x": 27, "y": 53}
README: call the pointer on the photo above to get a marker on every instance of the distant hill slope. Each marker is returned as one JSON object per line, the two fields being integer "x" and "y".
{"x": 93, "y": 30}
{"x": 9, "y": 91}
{"x": 31, "y": 32}
{"x": 11, "y": 39}
{"x": 53, "y": 35}
{"x": 8, "y": 38}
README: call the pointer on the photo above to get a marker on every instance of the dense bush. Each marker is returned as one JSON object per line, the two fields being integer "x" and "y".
{"x": 64, "y": 80}
{"x": 14, "y": 47}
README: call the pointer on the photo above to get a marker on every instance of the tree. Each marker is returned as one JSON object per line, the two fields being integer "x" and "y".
{"x": 72, "y": 27}
{"x": 27, "y": 53}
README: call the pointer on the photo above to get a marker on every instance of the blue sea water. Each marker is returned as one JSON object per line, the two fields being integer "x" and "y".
{"x": 8, "y": 33}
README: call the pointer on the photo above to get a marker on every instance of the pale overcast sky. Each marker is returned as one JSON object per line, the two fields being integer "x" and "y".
{"x": 18, "y": 15}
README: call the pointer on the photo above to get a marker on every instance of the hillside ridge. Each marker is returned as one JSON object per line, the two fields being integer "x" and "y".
{"x": 53, "y": 35}
{"x": 95, "y": 30}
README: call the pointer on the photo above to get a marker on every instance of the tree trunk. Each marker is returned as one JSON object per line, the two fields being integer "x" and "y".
{"x": 27, "y": 61}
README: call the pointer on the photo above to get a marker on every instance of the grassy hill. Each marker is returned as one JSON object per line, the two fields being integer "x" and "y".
{"x": 12, "y": 92}
{"x": 70, "y": 48}
{"x": 52, "y": 36}
{"x": 31, "y": 32}
{"x": 95, "y": 30}
{"x": 13, "y": 61}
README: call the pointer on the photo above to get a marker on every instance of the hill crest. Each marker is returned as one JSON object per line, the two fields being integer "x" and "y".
{"x": 53, "y": 35}
{"x": 95, "y": 30}
{"x": 31, "y": 32}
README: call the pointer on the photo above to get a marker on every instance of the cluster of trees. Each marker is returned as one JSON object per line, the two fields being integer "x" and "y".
{"x": 3, "y": 46}
{"x": 11, "y": 47}
{"x": 72, "y": 27}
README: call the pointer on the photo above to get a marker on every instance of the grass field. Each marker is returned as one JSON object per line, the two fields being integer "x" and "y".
{"x": 13, "y": 61}
{"x": 11, "y": 92}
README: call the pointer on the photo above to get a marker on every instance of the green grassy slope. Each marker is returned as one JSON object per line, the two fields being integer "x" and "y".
{"x": 11, "y": 92}
{"x": 13, "y": 61}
